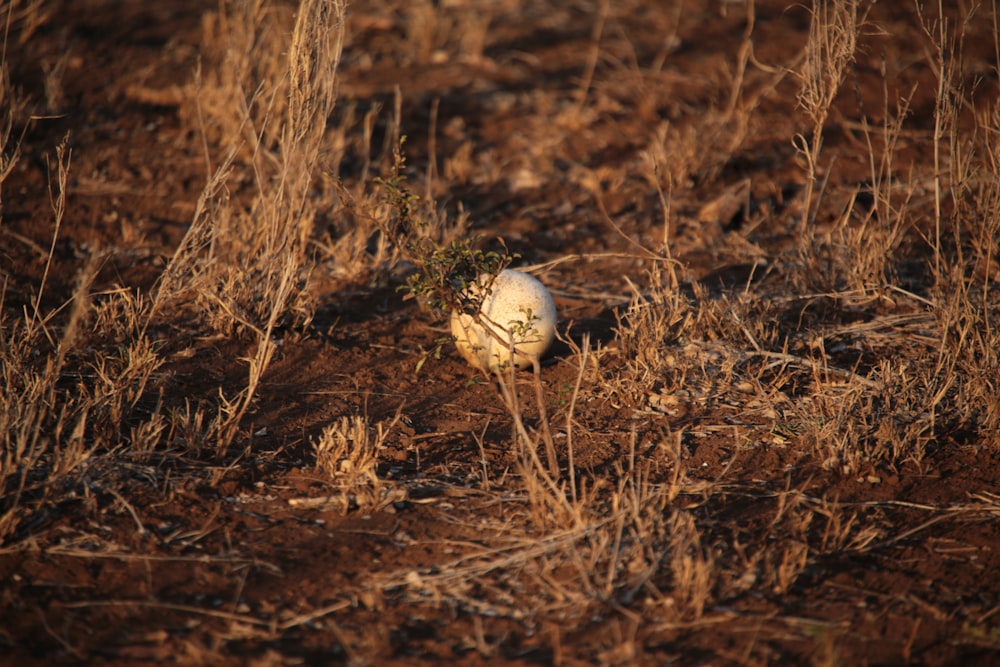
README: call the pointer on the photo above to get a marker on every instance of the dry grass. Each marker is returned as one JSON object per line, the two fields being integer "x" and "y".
{"x": 837, "y": 350}
{"x": 347, "y": 453}
{"x": 53, "y": 432}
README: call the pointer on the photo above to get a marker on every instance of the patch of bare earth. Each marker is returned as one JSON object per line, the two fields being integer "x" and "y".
{"x": 767, "y": 434}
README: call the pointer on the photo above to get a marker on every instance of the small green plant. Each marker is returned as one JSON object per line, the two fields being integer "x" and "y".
{"x": 453, "y": 276}
{"x": 434, "y": 352}
{"x": 523, "y": 327}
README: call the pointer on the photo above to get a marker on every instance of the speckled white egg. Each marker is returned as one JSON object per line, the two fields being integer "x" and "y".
{"x": 517, "y": 310}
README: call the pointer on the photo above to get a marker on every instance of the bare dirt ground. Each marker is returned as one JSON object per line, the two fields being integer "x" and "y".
{"x": 767, "y": 434}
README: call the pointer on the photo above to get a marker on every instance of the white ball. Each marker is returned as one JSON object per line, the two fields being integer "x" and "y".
{"x": 516, "y": 310}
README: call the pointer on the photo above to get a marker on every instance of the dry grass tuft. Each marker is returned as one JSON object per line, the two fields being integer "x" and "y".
{"x": 69, "y": 386}
{"x": 834, "y": 30}
{"x": 347, "y": 453}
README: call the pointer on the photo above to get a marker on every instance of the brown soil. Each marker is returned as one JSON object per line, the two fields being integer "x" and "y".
{"x": 198, "y": 556}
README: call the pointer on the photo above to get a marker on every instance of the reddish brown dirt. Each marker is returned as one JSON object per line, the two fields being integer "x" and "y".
{"x": 201, "y": 558}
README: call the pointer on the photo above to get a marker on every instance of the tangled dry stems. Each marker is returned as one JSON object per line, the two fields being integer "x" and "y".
{"x": 79, "y": 380}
